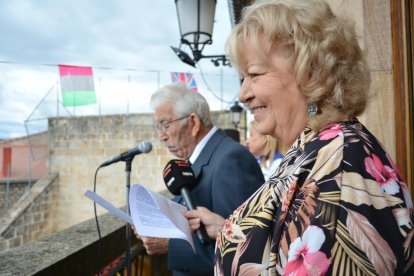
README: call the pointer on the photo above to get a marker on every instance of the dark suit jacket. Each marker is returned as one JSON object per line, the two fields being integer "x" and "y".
{"x": 226, "y": 175}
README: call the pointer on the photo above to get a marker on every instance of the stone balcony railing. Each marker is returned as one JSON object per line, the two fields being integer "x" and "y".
{"x": 74, "y": 251}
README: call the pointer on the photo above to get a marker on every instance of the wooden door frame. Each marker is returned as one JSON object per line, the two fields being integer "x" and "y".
{"x": 402, "y": 27}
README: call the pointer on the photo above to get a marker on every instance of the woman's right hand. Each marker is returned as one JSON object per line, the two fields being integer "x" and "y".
{"x": 212, "y": 221}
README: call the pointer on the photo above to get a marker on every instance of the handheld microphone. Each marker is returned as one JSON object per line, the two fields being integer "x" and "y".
{"x": 143, "y": 147}
{"x": 179, "y": 179}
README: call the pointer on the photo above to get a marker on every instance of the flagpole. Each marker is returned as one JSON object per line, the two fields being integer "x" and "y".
{"x": 44, "y": 97}
{"x": 128, "y": 92}
{"x": 57, "y": 102}
{"x": 100, "y": 99}
{"x": 221, "y": 87}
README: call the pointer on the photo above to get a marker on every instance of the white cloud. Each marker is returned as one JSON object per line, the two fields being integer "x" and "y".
{"x": 130, "y": 38}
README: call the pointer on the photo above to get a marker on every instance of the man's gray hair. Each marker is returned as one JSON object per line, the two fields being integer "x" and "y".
{"x": 183, "y": 101}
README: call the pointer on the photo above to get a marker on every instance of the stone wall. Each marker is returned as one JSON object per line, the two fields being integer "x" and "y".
{"x": 78, "y": 145}
{"x": 29, "y": 218}
{"x": 73, "y": 251}
{"x": 10, "y": 193}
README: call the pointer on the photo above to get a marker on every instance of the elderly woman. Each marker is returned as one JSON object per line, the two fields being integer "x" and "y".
{"x": 337, "y": 204}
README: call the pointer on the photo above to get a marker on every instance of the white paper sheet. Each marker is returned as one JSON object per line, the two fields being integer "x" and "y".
{"x": 152, "y": 214}
{"x": 157, "y": 216}
{"x": 108, "y": 206}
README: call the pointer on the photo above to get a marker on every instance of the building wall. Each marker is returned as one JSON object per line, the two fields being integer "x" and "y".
{"x": 28, "y": 157}
{"x": 78, "y": 145}
{"x": 373, "y": 24}
{"x": 10, "y": 193}
{"x": 30, "y": 217}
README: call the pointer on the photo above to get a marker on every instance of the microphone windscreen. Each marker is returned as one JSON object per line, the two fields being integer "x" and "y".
{"x": 177, "y": 175}
{"x": 145, "y": 147}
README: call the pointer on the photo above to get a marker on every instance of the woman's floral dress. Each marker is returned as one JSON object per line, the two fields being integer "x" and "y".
{"x": 337, "y": 205}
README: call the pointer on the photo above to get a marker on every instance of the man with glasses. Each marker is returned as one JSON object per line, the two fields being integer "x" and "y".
{"x": 226, "y": 172}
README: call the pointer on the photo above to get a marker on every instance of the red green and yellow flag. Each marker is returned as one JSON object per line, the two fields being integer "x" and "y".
{"x": 77, "y": 85}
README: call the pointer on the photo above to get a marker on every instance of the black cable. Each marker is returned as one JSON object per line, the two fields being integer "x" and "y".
{"x": 208, "y": 87}
{"x": 97, "y": 225}
{"x": 123, "y": 69}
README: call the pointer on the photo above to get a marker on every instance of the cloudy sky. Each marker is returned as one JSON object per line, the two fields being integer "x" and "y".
{"x": 126, "y": 42}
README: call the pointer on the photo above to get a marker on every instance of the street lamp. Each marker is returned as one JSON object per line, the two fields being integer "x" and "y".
{"x": 236, "y": 111}
{"x": 195, "y": 19}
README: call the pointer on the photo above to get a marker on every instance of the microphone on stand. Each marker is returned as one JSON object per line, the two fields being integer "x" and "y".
{"x": 143, "y": 147}
{"x": 179, "y": 179}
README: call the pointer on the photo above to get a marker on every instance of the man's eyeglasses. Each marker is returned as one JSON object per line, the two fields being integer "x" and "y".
{"x": 163, "y": 126}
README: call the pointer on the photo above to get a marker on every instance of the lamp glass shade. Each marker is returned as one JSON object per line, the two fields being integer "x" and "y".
{"x": 236, "y": 111}
{"x": 196, "y": 18}
{"x": 235, "y": 118}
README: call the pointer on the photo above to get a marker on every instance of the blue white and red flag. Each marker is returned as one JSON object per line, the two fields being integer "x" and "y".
{"x": 186, "y": 78}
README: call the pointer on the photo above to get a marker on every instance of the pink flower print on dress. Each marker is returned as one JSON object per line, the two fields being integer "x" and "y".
{"x": 331, "y": 132}
{"x": 304, "y": 257}
{"x": 218, "y": 240}
{"x": 403, "y": 185}
{"x": 394, "y": 167}
{"x": 383, "y": 174}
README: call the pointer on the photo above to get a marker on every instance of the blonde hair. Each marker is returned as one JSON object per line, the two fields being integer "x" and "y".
{"x": 323, "y": 49}
{"x": 272, "y": 146}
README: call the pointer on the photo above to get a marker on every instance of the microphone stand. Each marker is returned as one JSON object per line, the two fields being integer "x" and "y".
{"x": 128, "y": 163}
